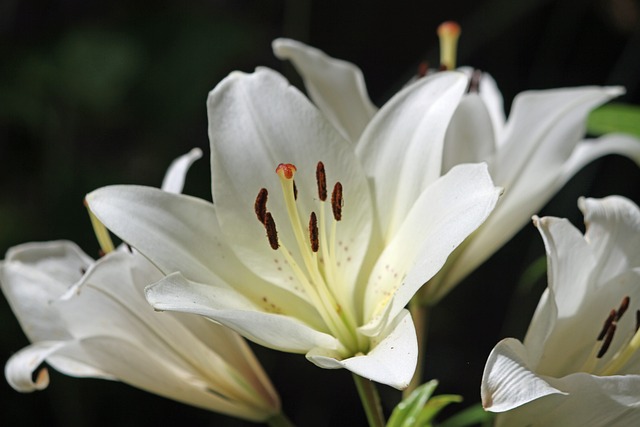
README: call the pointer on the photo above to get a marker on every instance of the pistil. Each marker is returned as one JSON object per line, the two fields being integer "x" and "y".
{"x": 448, "y": 32}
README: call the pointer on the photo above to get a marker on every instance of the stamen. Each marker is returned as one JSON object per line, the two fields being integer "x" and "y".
{"x": 260, "y": 205}
{"x": 336, "y": 201}
{"x": 321, "y": 179}
{"x": 313, "y": 232}
{"x": 607, "y": 341}
{"x": 423, "y": 69}
{"x": 624, "y": 305}
{"x": 448, "y": 32}
{"x": 474, "y": 82}
{"x": 101, "y": 232}
{"x": 272, "y": 233}
{"x": 295, "y": 190}
{"x": 607, "y": 324}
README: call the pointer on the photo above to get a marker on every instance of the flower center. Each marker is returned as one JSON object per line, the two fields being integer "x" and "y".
{"x": 315, "y": 243}
{"x": 614, "y": 365}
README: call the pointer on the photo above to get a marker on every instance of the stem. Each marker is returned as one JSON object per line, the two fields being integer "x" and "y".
{"x": 279, "y": 420}
{"x": 420, "y": 314}
{"x": 370, "y": 401}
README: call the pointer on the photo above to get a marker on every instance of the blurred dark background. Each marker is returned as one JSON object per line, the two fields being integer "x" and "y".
{"x": 97, "y": 93}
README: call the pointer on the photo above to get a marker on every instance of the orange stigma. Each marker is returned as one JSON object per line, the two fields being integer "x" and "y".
{"x": 286, "y": 170}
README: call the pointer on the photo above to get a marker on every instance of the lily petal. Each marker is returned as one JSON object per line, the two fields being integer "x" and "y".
{"x": 20, "y": 367}
{"x": 173, "y": 181}
{"x": 392, "y": 360}
{"x": 401, "y": 148}
{"x": 445, "y": 214}
{"x": 181, "y": 233}
{"x": 588, "y": 150}
{"x": 590, "y": 401}
{"x": 508, "y": 381}
{"x": 249, "y": 138}
{"x": 175, "y": 293}
{"x": 470, "y": 136}
{"x": 337, "y": 87}
{"x": 34, "y": 275}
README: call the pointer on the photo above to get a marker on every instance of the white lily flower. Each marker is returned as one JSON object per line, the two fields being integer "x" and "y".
{"x": 531, "y": 155}
{"x": 332, "y": 275}
{"x": 89, "y": 318}
{"x": 579, "y": 364}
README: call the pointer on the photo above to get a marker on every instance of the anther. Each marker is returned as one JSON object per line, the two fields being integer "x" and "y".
{"x": 423, "y": 69}
{"x": 321, "y": 179}
{"x": 474, "y": 82}
{"x": 261, "y": 205}
{"x": 607, "y": 324}
{"x": 624, "y": 305}
{"x": 272, "y": 233}
{"x": 313, "y": 232}
{"x": 336, "y": 201}
{"x": 607, "y": 341}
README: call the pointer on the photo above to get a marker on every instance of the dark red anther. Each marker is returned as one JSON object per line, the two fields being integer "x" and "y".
{"x": 336, "y": 201}
{"x": 607, "y": 324}
{"x": 321, "y": 179}
{"x": 272, "y": 233}
{"x": 607, "y": 341}
{"x": 260, "y": 206}
{"x": 313, "y": 232}
{"x": 624, "y": 305}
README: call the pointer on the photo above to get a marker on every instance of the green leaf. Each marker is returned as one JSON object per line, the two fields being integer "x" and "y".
{"x": 534, "y": 272}
{"x": 614, "y": 117}
{"x": 473, "y": 415}
{"x": 407, "y": 411}
{"x": 434, "y": 406}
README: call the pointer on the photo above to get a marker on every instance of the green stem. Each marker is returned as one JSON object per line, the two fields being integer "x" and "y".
{"x": 370, "y": 401}
{"x": 280, "y": 420}
{"x": 420, "y": 315}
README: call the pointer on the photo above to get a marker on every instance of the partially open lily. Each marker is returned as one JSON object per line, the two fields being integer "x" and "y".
{"x": 310, "y": 247}
{"x": 580, "y": 361}
{"x": 89, "y": 318}
{"x": 531, "y": 155}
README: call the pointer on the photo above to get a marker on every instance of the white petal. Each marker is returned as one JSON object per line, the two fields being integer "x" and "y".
{"x": 175, "y": 293}
{"x": 492, "y": 99}
{"x": 392, "y": 360}
{"x": 470, "y": 136}
{"x": 65, "y": 356}
{"x": 508, "y": 381}
{"x": 613, "y": 233}
{"x": 173, "y": 181}
{"x": 444, "y": 215}
{"x": 542, "y": 131}
{"x": 21, "y": 366}
{"x": 590, "y": 402}
{"x": 35, "y": 274}
{"x": 337, "y": 87}
{"x": 181, "y": 233}
{"x": 136, "y": 365}
{"x": 257, "y": 121}
{"x": 401, "y": 149}
{"x": 588, "y": 150}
